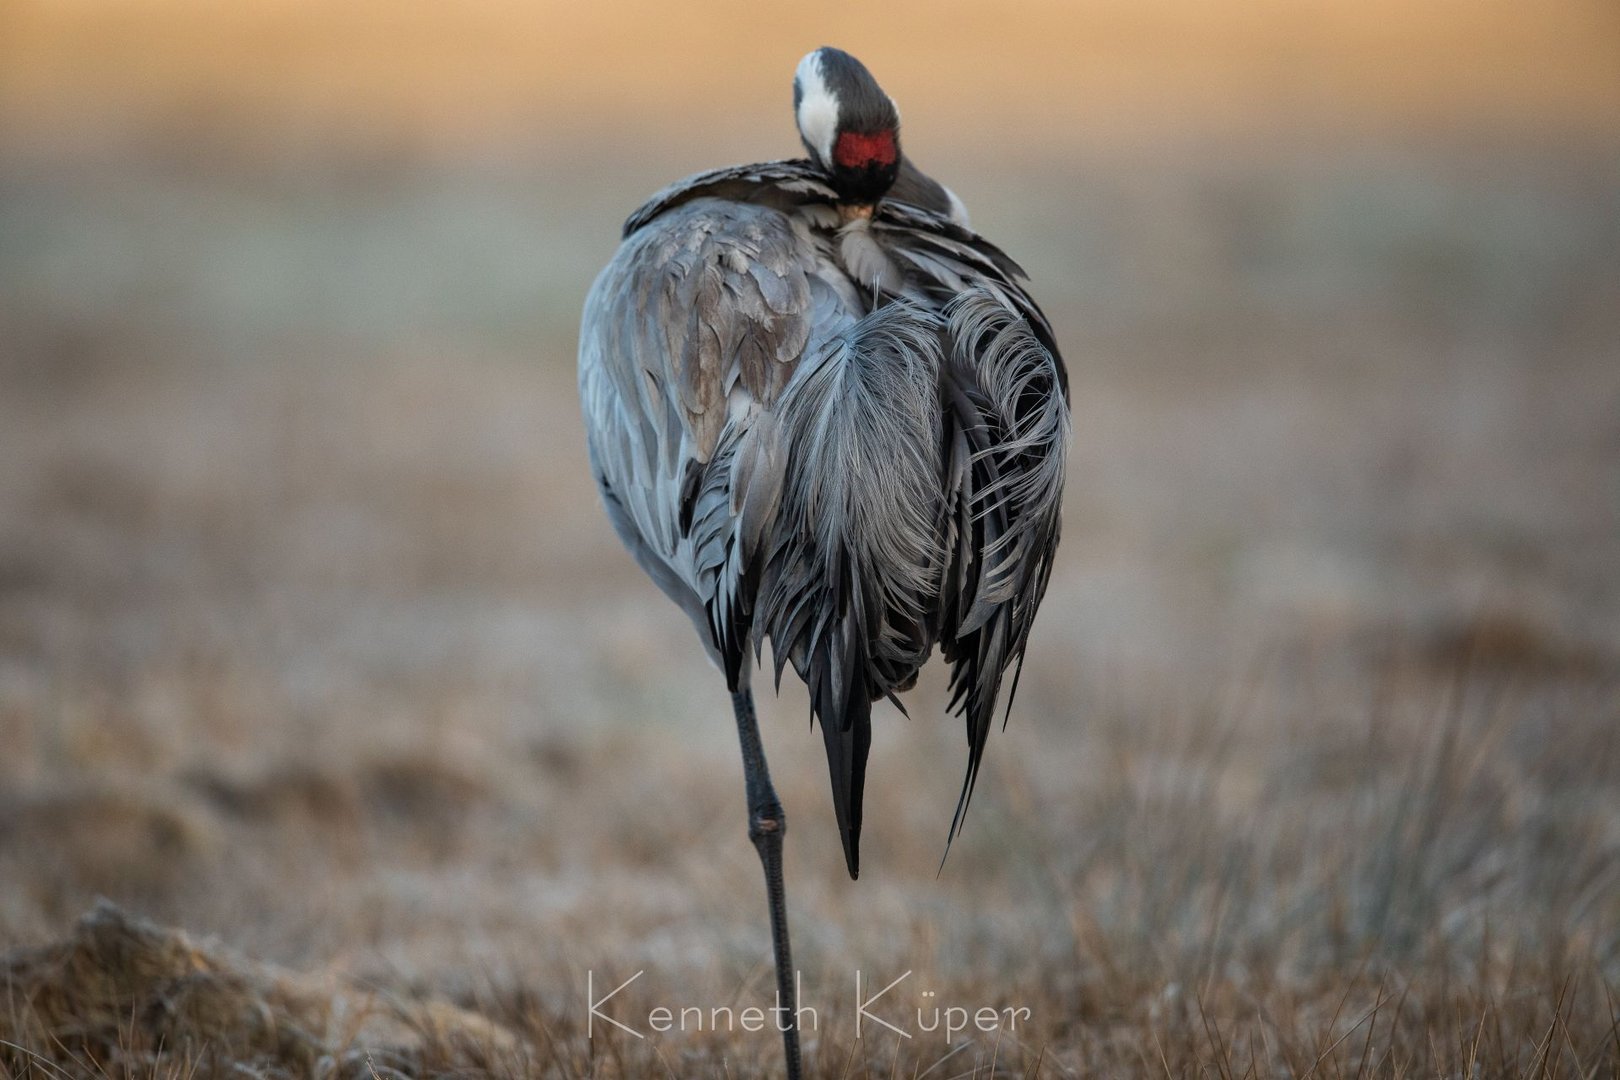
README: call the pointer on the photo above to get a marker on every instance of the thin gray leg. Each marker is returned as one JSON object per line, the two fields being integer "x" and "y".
{"x": 767, "y": 824}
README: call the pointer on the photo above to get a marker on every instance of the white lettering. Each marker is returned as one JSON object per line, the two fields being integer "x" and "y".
{"x": 590, "y": 996}
{"x": 860, "y": 1006}
{"x": 798, "y": 995}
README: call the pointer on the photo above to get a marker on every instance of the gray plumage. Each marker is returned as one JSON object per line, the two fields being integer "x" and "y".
{"x": 842, "y": 433}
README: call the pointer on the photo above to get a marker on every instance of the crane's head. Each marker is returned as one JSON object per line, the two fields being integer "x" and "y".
{"x": 848, "y": 124}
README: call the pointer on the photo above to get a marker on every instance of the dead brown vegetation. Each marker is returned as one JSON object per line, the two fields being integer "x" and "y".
{"x": 123, "y": 998}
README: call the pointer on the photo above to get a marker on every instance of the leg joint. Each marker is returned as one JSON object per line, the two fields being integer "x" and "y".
{"x": 766, "y": 821}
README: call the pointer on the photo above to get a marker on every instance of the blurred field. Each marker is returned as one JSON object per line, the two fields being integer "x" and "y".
{"x": 315, "y": 644}
{"x": 1039, "y": 71}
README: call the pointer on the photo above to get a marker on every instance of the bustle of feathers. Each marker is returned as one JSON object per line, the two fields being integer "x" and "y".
{"x": 851, "y": 448}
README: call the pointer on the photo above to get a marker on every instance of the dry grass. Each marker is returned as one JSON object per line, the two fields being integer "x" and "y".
{"x": 314, "y": 643}
{"x": 121, "y": 997}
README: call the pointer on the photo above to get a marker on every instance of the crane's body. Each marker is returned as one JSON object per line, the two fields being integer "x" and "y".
{"x": 823, "y": 412}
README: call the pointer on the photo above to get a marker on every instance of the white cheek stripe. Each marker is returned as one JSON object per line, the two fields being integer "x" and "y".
{"x": 818, "y": 108}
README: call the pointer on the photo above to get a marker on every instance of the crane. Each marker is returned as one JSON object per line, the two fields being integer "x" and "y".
{"x": 822, "y": 411}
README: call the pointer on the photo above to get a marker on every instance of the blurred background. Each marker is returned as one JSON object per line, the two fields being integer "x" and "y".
{"x": 314, "y": 638}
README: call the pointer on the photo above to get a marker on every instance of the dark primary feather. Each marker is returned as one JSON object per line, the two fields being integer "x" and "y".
{"x": 856, "y": 464}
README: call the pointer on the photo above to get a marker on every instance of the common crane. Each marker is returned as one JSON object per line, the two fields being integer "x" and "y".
{"x": 823, "y": 412}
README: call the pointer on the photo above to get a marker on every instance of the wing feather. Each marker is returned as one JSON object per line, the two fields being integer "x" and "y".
{"x": 1006, "y": 429}
{"x": 690, "y": 335}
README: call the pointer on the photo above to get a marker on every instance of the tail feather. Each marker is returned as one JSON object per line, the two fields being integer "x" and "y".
{"x": 847, "y": 745}
{"x": 848, "y": 586}
{"x": 842, "y": 700}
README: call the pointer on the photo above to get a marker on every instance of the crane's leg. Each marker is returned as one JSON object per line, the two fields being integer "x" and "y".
{"x": 766, "y": 827}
